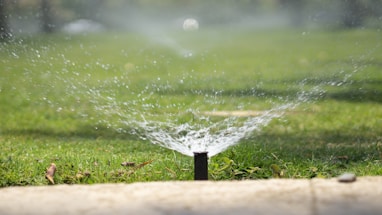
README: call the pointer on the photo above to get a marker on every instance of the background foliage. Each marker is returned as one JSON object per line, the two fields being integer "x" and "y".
{"x": 24, "y": 16}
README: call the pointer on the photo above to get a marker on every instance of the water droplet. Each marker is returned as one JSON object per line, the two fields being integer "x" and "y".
{"x": 15, "y": 55}
{"x": 188, "y": 54}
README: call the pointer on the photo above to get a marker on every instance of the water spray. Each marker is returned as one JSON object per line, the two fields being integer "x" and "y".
{"x": 190, "y": 24}
{"x": 200, "y": 166}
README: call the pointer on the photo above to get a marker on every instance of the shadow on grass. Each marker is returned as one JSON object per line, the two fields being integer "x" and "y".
{"x": 84, "y": 132}
{"x": 353, "y": 95}
{"x": 325, "y": 146}
{"x": 356, "y": 91}
{"x": 265, "y": 148}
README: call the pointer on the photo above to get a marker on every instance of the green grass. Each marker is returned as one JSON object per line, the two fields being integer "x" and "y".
{"x": 50, "y": 87}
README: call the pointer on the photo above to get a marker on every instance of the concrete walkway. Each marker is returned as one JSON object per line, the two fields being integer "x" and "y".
{"x": 274, "y": 196}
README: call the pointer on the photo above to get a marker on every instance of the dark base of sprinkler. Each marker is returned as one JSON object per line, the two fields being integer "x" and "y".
{"x": 200, "y": 166}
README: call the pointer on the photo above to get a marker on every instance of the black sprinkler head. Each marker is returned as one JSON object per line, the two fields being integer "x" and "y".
{"x": 200, "y": 166}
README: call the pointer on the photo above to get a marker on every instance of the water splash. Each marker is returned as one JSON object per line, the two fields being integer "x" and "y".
{"x": 214, "y": 138}
{"x": 204, "y": 132}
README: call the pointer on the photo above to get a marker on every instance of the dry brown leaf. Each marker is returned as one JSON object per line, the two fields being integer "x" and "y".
{"x": 50, "y": 173}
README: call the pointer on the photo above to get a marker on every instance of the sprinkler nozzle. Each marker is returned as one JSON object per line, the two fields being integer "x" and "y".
{"x": 200, "y": 166}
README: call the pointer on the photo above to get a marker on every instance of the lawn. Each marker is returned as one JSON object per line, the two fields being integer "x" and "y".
{"x": 69, "y": 100}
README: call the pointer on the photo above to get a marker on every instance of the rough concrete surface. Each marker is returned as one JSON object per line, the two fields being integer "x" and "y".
{"x": 273, "y": 196}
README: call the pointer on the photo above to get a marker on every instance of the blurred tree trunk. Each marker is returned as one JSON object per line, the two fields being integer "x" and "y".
{"x": 47, "y": 22}
{"x": 4, "y": 30}
{"x": 353, "y": 13}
